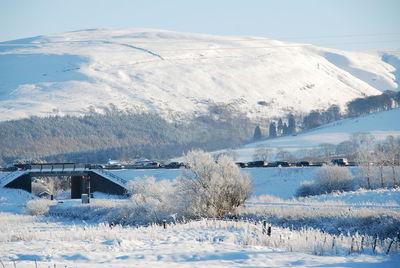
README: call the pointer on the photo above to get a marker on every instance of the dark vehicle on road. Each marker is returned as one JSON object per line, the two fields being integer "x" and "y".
{"x": 302, "y": 164}
{"x": 241, "y": 164}
{"x": 257, "y": 164}
{"x": 279, "y": 164}
{"x": 174, "y": 165}
{"x": 340, "y": 161}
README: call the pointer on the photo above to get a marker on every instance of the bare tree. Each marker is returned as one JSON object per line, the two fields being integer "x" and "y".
{"x": 365, "y": 156}
{"x": 263, "y": 154}
{"x": 327, "y": 149}
{"x": 381, "y": 161}
{"x": 284, "y": 155}
{"x": 392, "y": 156}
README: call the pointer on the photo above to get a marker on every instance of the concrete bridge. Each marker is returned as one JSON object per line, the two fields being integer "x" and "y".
{"x": 84, "y": 178}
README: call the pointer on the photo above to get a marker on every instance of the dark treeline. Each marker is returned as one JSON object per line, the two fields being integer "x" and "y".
{"x": 119, "y": 135}
{"x": 126, "y": 135}
{"x": 356, "y": 107}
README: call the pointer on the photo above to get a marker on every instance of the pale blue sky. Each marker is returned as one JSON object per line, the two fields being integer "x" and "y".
{"x": 343, "y": 24}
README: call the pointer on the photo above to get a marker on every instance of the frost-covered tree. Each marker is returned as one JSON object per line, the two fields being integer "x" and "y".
{"x": 263, "y": 154}
{"x": 391, "y": 154}
{"x": 346, "y": 148}
{"x": 284, "y": 155}
{"x": 365, "y": 156}
{"x": 213, "y": 188}
{"x": 327, "y": 149}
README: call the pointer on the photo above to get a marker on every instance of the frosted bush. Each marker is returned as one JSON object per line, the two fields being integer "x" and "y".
{"x": 333, "y": 178}
{"x": 327, "y": 180}
{"x": 306, "y": 188}
{"x": 38, "y": 207}
{"x": 213, "y": 189}
{"x": 151, "y": 200}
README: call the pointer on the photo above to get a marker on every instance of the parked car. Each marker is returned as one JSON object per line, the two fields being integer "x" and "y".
{"x": 340, "y": 161}
{"x": 242, "y": 165}
{"x": 151, "y": 164}
{"x": 257, "y": 164}
{"x": 319, "y": 163}
{"x": 114, "y": 166}
{"x": 279, "y": 164}
{"x": 303, "y": 164}
{"x": 174, "y": 165}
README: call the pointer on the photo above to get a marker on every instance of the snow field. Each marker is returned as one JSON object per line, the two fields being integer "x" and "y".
{"x": 318, "y": 231}
{"x": 332, "y": 216}
{"x": 213, "y": 242}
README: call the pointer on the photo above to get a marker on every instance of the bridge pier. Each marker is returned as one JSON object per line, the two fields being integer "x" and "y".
{"x": 79, "y": 185}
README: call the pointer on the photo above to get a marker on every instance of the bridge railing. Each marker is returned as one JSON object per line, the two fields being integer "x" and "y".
{"x": 58, "y": 167}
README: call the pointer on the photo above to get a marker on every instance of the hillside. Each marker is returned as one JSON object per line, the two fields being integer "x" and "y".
{"x": 380, "y": 125}
{"x": 178, "y": 74}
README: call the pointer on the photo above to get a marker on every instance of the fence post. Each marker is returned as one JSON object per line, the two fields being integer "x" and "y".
{"x": 164, "y": 224}
{"x": 352, "y": 245}
{"x": 269, "y": 231}
{"x": 362, "y": 243}
{"x": 374, "y": 245}
{"x": 264, "y": 227}
{"x": 390, "y": 245}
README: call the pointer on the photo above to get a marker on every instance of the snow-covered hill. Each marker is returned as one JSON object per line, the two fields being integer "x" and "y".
{"x": 380, "y": 125}
{"x": 179, "y": 74}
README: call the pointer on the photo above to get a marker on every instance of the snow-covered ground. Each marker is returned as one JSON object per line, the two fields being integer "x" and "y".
{"x": 379, "y": 196}
{"x": 180, "y": 74}
{"x": 28, "y": 241}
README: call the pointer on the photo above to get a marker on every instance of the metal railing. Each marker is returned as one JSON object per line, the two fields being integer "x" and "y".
{"x": 120, "y": 180}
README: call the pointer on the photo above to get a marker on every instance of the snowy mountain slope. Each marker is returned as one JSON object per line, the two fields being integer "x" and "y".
{"x": 381, "y": 125}
{"x": 179, "y": 74}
